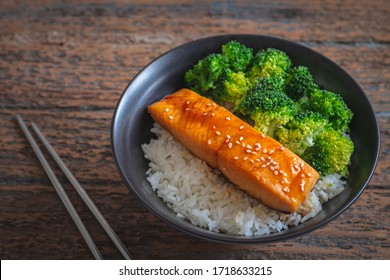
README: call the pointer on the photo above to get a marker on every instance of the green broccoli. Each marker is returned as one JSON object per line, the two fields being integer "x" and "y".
{"x": 299, "y": 133}
{"x": 281, "y": 100}
{"x": 268, "y": 63}
{"x": 238, "y": 55}
{"x": 331, "y": 152}
{"x": 203, "y": 76}
{"x": 268, "y": 108}
{"x": 269, "y": 83}
{"x": 230, "y": 89}
{"x": 331, "y": 106}
{"x": 299, "y": 83}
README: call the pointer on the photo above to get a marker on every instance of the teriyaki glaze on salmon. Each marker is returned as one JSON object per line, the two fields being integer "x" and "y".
{"x": 256, "y": 163}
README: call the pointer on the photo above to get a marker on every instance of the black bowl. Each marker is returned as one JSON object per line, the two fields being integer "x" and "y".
{"x": 131, "y": 126}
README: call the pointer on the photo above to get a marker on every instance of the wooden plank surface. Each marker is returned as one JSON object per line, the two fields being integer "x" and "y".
{"x": 65, "y": 65}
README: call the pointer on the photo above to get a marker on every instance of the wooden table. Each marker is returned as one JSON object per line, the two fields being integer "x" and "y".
{"x": 65, "y": 65}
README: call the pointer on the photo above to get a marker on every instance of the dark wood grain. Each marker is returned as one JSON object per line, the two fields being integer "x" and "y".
{"x": 64, "y": 65}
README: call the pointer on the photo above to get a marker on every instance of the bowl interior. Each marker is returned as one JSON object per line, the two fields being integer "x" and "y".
{"x": 131, "y": 127}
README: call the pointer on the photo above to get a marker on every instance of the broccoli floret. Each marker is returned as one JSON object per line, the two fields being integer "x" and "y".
{"x": 268, "y": 108}
{"x": 331, "y": 153}
{"x": 333, "y": 107}
{"x": 238, "y": 55}
{"x": 299, "y": 83}
{"x": 204, "y": 75}
{"x": 268, "y": 63}
{"x": 269, "y": 83}
{"x": 299, "y": 133}
{"x": 231, "y": 89}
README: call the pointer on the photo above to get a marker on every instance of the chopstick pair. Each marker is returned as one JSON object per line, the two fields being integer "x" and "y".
{"x": 64, "y": 197}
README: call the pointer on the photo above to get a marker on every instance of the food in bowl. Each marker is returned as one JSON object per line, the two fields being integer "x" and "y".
{"x": 256, "y": 163}
{"x": 201, "y": 195}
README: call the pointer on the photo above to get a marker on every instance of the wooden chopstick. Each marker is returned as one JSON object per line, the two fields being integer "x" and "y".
{"x": 80, "y": 190}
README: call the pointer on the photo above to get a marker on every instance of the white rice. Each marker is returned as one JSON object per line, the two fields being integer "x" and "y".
{"x": 200, "y": 194}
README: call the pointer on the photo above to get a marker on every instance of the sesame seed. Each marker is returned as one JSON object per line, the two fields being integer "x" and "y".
{"x": 238, "y": 142}
{"x": 264, "y": 166}
{"x": 257, "y": 160}
{"x": 236, "y": 158}
{"x": 212, "y": 114}
{"x": 262, "y": 135}
{"x": 252, "y": 161}
{"x": 272, "y": 168}
{"x": 262, "y": 158}
{"x": 227, "y": 140}
{"x": 297, "y": 167}
{"x": 209, "y": 141}
{"x": 187, "y": 109}
{"x": 188, "y": 102}
{"x": 218, "y": 133}
{"x": 271, "y": 152}
{"x": 264, "y": 151}
{"x": 276, "y": 172}
{"x": 302, "y": 165}
{"x": 241, "y": 138}
{"x": 245, "y": 158}
{"x": 205, "y": 114}
{"x": 230, "y": 145}
{"x": 208, "y": 104}
{"x": 308, "y": 174}
{"x": 166, "y": 109}
{"x": 170, "y": 117}
{"x": 282, "y": 148}
{"x": 241, "y": 127}
{"x": 248, "y": 151}
{"x": 228, "y": 136}
{"x": 285, "y": 180}
{"x": 254, "y": 153}
{"x": 294, "y": 199}
{"x": 227, "y": 118}
{"x": 214, "y": 127}
{"x": 249, "y": 146}
{"x": 302, "y": 188}
{"x": 243, "y": 144}
{"x": 286, "y": 189}
{"x": 302, "y": 175}
{"x": 257, "y": 149}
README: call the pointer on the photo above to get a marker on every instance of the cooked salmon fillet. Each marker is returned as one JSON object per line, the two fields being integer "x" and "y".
{"x": 256, "y": 163}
